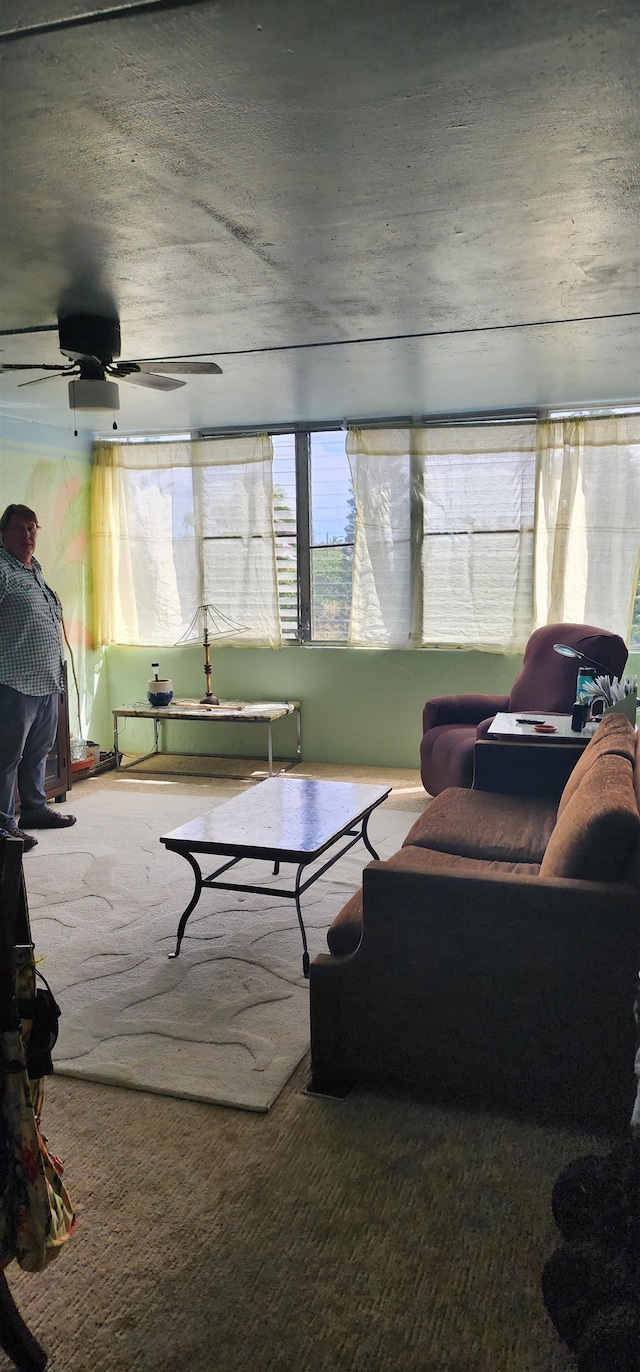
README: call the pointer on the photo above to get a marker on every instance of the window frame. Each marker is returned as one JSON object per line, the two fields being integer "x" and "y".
{"x": 305, "y": 546}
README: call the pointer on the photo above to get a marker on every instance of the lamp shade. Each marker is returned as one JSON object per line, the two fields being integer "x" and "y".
{"x": 566, "y": 651}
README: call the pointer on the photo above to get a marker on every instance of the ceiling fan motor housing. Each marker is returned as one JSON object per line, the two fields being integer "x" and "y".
{"x": 90, "y": 335}
{"x": 93, "y": 395}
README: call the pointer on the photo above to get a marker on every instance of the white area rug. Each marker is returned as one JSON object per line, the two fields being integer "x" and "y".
{"x": 226, "y": 1022}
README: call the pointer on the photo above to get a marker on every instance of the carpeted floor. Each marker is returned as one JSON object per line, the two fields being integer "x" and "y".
{"x": 408, "y": 793}
{"x": 364, "y": 1235}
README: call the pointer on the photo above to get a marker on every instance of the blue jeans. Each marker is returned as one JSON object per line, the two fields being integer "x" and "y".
{"x": 28, "y": 726}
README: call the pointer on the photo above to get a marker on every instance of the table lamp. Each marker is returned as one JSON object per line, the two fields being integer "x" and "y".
{"x": 619, "y": 696}
{"x": 566, "y": 651}
{"x": 574, "y": 652}
{"x": 205, "y": 616}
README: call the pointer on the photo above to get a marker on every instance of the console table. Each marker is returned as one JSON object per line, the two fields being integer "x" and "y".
{"x": 227, "y": 712}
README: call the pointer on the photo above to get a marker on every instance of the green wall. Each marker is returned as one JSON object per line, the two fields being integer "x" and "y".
{"x": 359, "y": 706}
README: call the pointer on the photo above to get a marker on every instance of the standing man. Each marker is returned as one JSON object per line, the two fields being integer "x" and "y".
{"x": 31, "y": 677}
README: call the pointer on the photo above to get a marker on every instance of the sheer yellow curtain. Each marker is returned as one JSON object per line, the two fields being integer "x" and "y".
{"x": 381, "y": 596}
{"x": 587, "y": 536}
{"x": 444, "y": 535}
{"x": 178, "y": 524}
{"x": 108, "y": 550}
{"x": 234, "y": 513}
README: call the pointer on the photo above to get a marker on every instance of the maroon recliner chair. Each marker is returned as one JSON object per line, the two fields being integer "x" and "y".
{"x": 546, "y": 683}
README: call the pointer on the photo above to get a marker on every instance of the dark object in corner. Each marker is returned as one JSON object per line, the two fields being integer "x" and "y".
{"x": 591, "y": 1284}
{"x": 107, "y": 762}
{"x": 16, "y": 1339}
{"x": 611, "y": 1342}
{"x": 580, "y": 1280}
{"x": 91, "y": 768}
{"x": 44, "y": 1012}
{"x": 592, "y": 1198}
{"x": 15, "y": 1336}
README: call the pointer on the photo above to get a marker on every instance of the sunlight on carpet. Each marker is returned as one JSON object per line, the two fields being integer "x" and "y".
{"x": 408, "y": 792}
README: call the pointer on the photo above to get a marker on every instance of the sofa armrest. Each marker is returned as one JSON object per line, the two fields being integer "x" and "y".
{"x": 469, "y": 709}
{"x": 499, "y": 989}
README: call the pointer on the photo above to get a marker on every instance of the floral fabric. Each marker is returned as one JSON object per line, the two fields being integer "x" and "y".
{"x": 36, "y": 1212}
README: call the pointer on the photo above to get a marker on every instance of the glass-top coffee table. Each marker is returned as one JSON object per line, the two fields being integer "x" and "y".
{"x": 285, "y": 819}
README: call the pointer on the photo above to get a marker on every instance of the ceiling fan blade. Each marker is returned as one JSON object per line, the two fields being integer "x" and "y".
{"x": 182, "y": 368}
{"x": 154, "y": 383}
{"x": 36, "y": 379}
{"x": 32, "y": 367}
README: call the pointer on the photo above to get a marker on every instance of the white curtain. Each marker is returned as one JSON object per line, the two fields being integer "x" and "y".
{"x": 381, "y": 602}
{"x": 444, "y": 535}
{"x": 178, "y": 525}
{"x": 587, "y": 543}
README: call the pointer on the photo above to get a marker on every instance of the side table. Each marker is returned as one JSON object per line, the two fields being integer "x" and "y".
{"x": 515, "y": 760}
{"x": 227, "y": 712}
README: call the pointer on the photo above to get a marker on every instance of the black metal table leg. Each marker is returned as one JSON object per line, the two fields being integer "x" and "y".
{"x": 192, "y": 903}
{"x": 305, "y": 954}
{"x": 365, "y": 837}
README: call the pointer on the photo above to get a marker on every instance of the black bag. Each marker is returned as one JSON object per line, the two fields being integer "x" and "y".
{"x": 44, "y": 1012}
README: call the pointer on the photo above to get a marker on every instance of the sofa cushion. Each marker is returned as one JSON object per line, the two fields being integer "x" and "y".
{"x": 485, "y": 825}
{"x": 427, "y": 860}
{"x": 615, "y": 734}
{"x": 597, "y": 835}
{"x": 345, "y": 933}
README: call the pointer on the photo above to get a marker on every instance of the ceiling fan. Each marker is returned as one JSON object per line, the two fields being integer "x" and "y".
{"x": 92, "y": 343}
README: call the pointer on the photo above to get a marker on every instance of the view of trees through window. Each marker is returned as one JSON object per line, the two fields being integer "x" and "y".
{"x": 332, "y": 533}
{"x": 634, "y": 641}
{"x": 284, "y": 517}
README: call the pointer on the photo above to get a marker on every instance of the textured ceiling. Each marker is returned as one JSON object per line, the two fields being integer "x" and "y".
{"x": 272, "y": 183}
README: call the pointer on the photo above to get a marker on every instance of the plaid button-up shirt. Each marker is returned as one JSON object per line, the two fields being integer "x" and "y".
{"x": 30, "y": 639}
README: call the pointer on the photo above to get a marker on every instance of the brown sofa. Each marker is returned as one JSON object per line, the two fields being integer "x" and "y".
{"x": 493, "y": 960}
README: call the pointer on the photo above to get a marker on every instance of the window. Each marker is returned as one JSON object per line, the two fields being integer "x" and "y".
{"x": 634, "y": 640}
{"x": 444, "y": 539}
{"x": 284, "y": 518}
{"x": 451, "y": 535}
{"x": 477, "y": 536}
{"x": 177, "y": 526}
{"x": 330, "y": 535}
{"x": 333, "y": 521}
